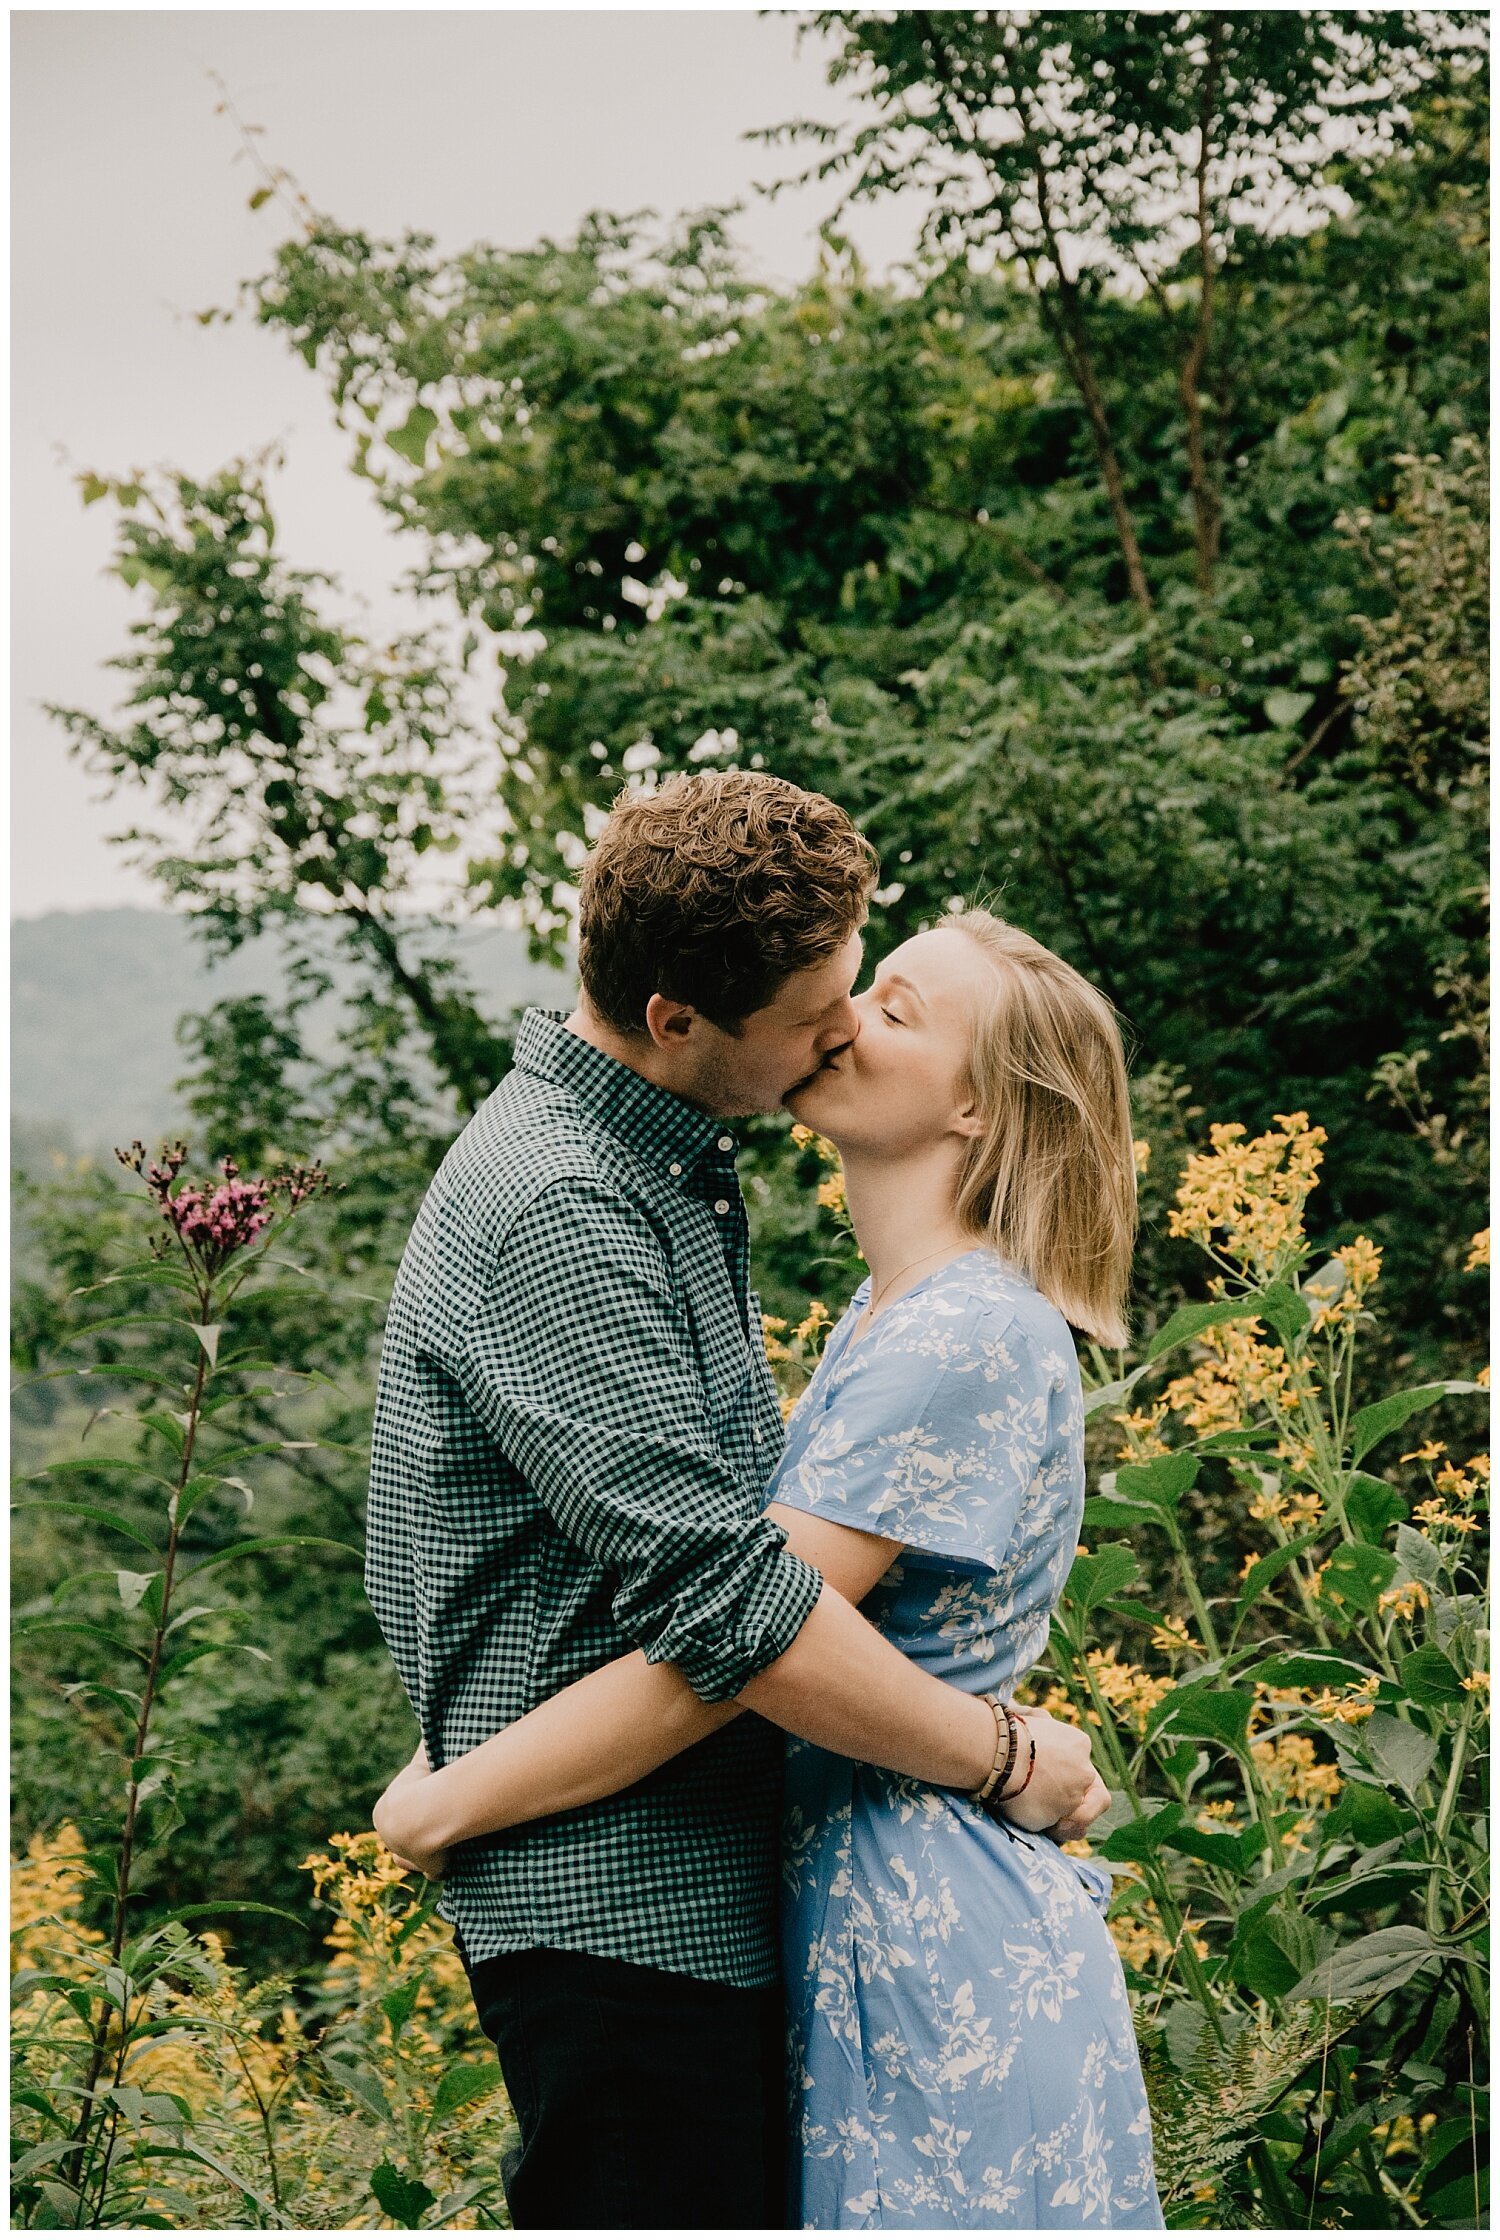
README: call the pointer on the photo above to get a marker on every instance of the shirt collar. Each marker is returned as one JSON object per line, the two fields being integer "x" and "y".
{"x": 661, "y": 1128}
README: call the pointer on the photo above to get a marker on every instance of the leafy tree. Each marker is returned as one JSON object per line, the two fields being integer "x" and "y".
{"x": 1093, "y": 146}
{"x": 318, "y": 770}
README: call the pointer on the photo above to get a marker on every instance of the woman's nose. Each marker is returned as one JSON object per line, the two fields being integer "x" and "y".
{"x": 841, "y": 1031}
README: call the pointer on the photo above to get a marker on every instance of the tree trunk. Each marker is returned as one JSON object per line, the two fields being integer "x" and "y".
{"x": 1207, "y": 512}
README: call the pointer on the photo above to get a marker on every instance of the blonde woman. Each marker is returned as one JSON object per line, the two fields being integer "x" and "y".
{"x": 961, "y": 2044}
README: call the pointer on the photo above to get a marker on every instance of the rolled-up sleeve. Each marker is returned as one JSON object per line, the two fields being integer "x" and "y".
{"x": 579, "y": 1362}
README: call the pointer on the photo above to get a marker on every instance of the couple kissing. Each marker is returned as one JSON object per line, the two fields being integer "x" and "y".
{"x": 753, "y": 1862}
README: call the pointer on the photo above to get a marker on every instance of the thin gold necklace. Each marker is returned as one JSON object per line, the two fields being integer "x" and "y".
{"x": 885, "y": 1288}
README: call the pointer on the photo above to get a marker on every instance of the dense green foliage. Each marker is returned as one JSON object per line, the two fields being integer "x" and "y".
{"x": 1127, "y": 574}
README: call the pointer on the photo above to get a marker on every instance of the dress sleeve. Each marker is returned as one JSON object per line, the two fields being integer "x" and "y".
{"x": 933, "y": 1433}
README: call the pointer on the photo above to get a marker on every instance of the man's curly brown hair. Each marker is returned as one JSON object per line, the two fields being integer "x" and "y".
{"x": 712, "y": 891}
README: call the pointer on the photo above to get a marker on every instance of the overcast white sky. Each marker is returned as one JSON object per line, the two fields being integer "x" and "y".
{"x": 129, "y": 215}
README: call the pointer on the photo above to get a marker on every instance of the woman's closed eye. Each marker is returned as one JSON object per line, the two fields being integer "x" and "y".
{"x": 888, "y": 1014}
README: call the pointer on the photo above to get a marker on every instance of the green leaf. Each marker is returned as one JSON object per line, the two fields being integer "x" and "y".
{"x": 1370, "y": 1815}
{"x": 168, "y": 1428}
{"x": 1215, "y": 1847}
{"x": 365, "y": 2086}
{"x": 1211, "y": 1713}
{"x": 1267, "y": 1569}
{"x": 1191, "y": 1322}
{"x": 1110, "y": 1395}
{"x": 1305, "y": 1668}
{"x": 1369, "y": 1967}
{"x": 1430, "y": 1677}
{"x": 397, "y": 2005}
{"x": 1372, "y": 1507}
{"x": 1376, "y": 1422}
{"x": 276, "y": 1540}
{"x": 48, "y": 1624}
{"x": 405, "y": 2199}
{"x": 1161, "y": 1483}
{"x": 202, "y": 1649}
{"x": 261, "y": 197}
{"x": 412, "y": 437}
{"x": 1416, "y": 1557}
{"x": 1358, "y": 1575}
{"x": 209, "y": 1911}
{"x": 1284, "y": 709}
{"x": 81, "y": 1463}
{"x": 417, "y": 1919}
{"x": 1400, "y": 1753}
{"x": 1095, "y": 1578}
{"x": 1102, "y": 1514}
{"x": 105, "y": 1517}
{"x": 198, "y": 1488}
{"x": 1274, "y": 1954}
{"x": 463, "y": 2083}
{"x": 1286, "y": 1311}
{"x": 1140, "y": 1838}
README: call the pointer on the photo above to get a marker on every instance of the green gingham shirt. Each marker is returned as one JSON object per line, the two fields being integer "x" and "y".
{"x": 574, "y": 1429}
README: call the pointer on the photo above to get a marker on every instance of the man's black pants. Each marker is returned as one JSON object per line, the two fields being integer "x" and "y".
{"x": 643, "y": 2098}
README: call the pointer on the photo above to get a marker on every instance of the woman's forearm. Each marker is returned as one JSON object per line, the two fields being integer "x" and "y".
{"x": 597, "y": 1736}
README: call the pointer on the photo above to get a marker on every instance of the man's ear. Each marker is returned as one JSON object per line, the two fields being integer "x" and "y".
{"x": 669, "y": 1024}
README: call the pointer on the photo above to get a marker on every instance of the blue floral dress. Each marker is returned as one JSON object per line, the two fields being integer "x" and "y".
{"x": 961, "y": 2043}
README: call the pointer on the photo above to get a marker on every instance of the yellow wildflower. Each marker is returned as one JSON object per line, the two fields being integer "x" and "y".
{"x": 815, "y": 1320}
{"x": 1131, "y": 1693}
{"x": 1142, "y": 1151}
{"x": 1243, "y": 1198}
{"x": 1215, "y": 1812}
{"x": 1477, "y": 1683}
{"x": 1172, "y": 1638}
{"x": 1462, "y": 1485}
{"x": 1267, "y": 1507}
{"x": 1359, "y": 1264}
{"x": 1238, "y": 1373}
{"x": 1355, "y": 1703}
{"x": 1428, "y": 1452}
{"x": 833, "y": 1195}
{"x": 1298, "y": 1455}
{"x": 1432, "y": 1516}
{"x": 1482, "y": 1378}
{"x": 1404, "y": 1601}
{"x": 1479, "y": 1250}
{"x": 773, "y": 1327}
{"x": 1142, "y": 1429}
{"x": 1290, "y": 1768}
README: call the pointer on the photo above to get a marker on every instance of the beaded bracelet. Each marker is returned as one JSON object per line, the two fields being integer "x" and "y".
{"x": 1002, "y": 1769}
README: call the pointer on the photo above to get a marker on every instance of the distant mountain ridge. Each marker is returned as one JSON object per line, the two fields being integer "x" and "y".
{"x": 96, "y": 996}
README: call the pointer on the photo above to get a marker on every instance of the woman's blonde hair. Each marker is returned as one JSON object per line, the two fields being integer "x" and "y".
{"x": 1050, "y": 1182}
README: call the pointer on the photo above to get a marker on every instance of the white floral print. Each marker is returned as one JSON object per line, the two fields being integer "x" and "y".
{"x": 962, "y": 2050}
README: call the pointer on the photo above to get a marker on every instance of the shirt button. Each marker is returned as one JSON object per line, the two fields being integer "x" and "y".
{"x": 726, "y": 1143}
{"x": 674, "y": 1168}
{"x": 721, "y": 1205}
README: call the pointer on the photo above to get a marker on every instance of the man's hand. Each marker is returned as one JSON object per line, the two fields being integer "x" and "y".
{"x": 1064, "y": 1793}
